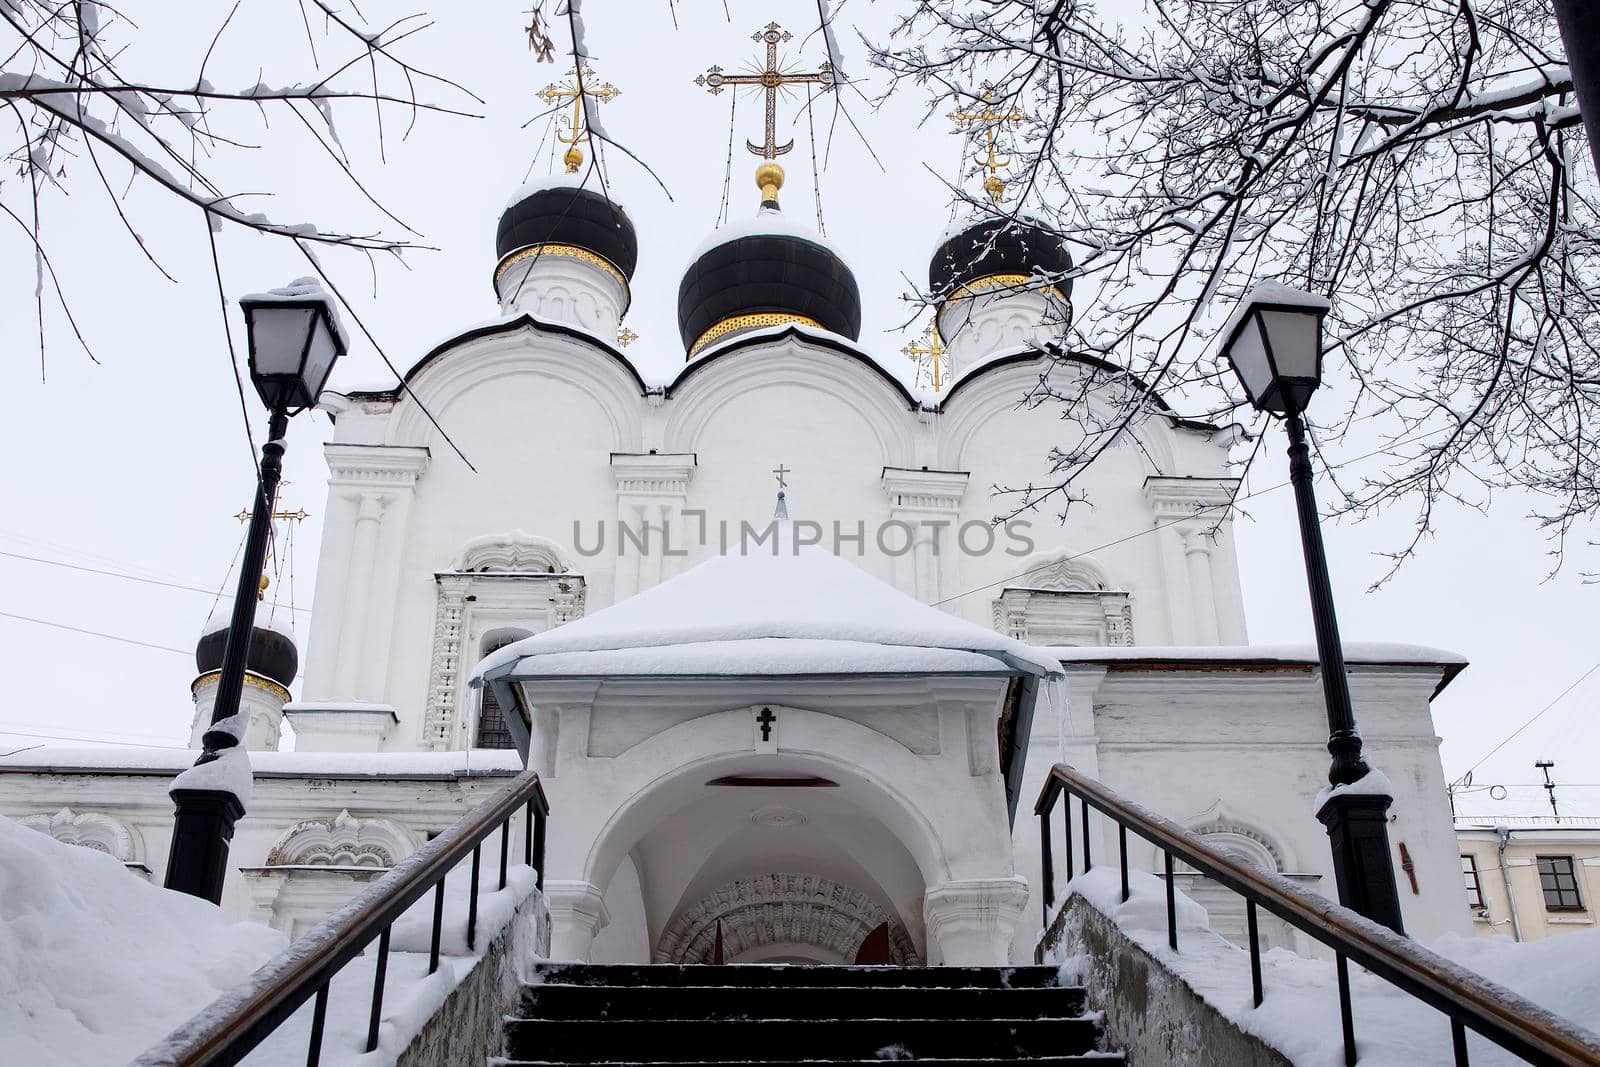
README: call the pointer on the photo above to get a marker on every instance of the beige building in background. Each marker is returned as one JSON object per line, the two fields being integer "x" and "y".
{"x": 1530, "y": 877}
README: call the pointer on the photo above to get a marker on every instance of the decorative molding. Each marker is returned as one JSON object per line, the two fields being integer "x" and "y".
{"x": 925, "y": 490}
{"x": 971, "y": 922}
{"x": 781, "y": 909}
{"x": 90, "y": 829}
{"x": 514, "y": 551}
{"x": 653, "y": 475}
{"x": 342, "y": 841}
{"x": 1012, "y": 283}
{"x": 256, "y": 681}
{"x": 1065, "y": 617}
{"x": 375, "y": 466}
{"x": 754, "y": 321}
{"x": 1189, "y": 498}
{"x": 467, "y": 602}
{"x": 582, "y": 255}
{"x": 779, "y": 816}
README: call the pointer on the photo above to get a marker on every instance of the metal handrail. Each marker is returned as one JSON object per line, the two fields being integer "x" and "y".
{"x": 227, "y": 1029}
{"x": 1469, "y": 1000}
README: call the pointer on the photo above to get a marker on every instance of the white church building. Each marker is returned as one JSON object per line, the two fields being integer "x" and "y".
{"x": 780, "y": 734}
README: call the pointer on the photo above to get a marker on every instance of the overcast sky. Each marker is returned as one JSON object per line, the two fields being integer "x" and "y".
{"x": 136, "y": 465}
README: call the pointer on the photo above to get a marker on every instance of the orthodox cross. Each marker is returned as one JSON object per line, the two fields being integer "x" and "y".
{"x": 770, "y": 80}
{"x": 582, "y": 85}
{"x": 299, "y": 515}
{"x": 991, "y": 121}
{"x": 780, "y": 470}
{"x": 766, "y": 720}
{"x": 929, "y": 356}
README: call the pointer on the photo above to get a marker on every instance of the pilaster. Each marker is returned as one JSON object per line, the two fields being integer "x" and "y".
{"x": 971, "y": 923}
{"x": 1190, "y": 516}
{"x": 928, "y": 501}
{"x": 577, "y": 914}
{"x": 652, "y": 489}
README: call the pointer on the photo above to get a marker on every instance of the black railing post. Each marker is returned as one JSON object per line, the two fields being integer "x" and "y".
{"x": 377, "y": 990}
{"x": 1255, "y": 950}
{"x": 1122, "y": 848}
{"x": 438, "y": 926}
{"x": 505, "y": 845}
{"x": 319, "y": 1018}
{"x": 1346, "y": 1019}
{"x": 1066, "y": 818}
{"x": 1172, "y": 906}
{"x": 472, "y": 900}
{"x": 1458, "y": 1042}
{"x": 539, "y": 815}
{"x": 527, "y": 834}
{"x": 1087, "y": 861}
{"x": 1047, "y": 874}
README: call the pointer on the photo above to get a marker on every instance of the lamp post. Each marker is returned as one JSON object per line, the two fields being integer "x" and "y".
{"x": 1274, "y": 343}
{"x": 294, "y": 341}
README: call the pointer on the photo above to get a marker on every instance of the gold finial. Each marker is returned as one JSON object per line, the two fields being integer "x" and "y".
{"x": 261, "y": 591}
{"x": 582, "y": 85}
{"x": 929, "y": 356}
{"x": 991, "y": 121}
{"x": 769, "y": 179}
{"x": 625, "y": 336}
{"x": 771, "y": 80}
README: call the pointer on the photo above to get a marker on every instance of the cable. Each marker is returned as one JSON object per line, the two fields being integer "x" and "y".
{"x": 96, "y": 633}
{"x": 5, "y": 732}
{"x": 120, "y": 574}
{"x": 1581, "y": 678}
{"x": 1185, "y": 518}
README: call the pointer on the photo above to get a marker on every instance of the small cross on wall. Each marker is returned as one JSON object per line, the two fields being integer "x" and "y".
{"x": 766, "y": 720}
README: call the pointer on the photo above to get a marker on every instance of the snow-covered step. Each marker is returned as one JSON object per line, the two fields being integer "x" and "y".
{"x": 723, "y": 1001}
{"x": 1088, "y": 1059}
{"x": 767, "y": 1039}
{"x": 776, "y": 976}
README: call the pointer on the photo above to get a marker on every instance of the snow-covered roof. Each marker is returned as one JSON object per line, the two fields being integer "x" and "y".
{"x": 799, "y": 610}
{"x": 765, "y": 223}
{"x": 1270, "y": 292}
{"x": 134, "y": 759}
{"x": 1359, "y": 652}
{"x": 299, "y": 291}
{"x": 589, "y": 179}
{"x": 274, "y": 617}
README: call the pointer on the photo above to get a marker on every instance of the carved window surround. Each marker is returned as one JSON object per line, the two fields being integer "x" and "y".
{"x": 1085, "y": 617}
{"x": 469, "y": 605}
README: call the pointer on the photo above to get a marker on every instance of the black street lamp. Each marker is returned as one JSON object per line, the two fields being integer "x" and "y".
{"x": 1274, "y": 344}
{"x": 294, "y": 341}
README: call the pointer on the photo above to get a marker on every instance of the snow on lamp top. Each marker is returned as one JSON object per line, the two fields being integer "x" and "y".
{"x": 295, "y": 338}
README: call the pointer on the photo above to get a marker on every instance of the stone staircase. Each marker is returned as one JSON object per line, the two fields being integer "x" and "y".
{"x": 771, "y": 1015}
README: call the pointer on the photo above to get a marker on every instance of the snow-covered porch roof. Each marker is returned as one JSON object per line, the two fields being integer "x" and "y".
{"x": 780, "y": 612}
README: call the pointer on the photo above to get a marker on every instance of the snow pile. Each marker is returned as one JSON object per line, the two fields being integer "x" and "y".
{"x": 766, "y": 222}
{"x": 411, "y": 994}
{"x": 228, "y": 773}
{"x": 267, "y": 618}
{"x": 780, "y": 589}
{"x": 1299, "y": 1015}
{"x": 1372, "y": 784}
{"x": 96, "y": 964}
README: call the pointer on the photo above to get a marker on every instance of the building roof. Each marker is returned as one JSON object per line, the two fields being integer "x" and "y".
{"x": 779, "y": 609}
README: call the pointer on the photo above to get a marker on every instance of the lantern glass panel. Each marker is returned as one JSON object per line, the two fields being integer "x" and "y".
{"x": 320, "y": 356}
{"x": 1249, "y": 358}
{"x": 278, "y": 339}
{"x": 1294, "y": 338}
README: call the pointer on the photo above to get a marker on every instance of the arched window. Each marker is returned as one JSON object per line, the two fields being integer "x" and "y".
{"x": 492, "y": 732}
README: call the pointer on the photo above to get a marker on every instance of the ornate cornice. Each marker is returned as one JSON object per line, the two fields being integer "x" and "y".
{"x": 1182, "y": 498}
{"x": 266, "y": 685}
{"x": 375, "y": 465}
{"x": 751, "y": 322}
{"x": 582, "y": 255}
{"x": 653, "y": 475}
{"x": 925, "y": 490}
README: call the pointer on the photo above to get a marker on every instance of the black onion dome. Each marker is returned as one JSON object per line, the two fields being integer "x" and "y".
{"x": 781, "y": 273}
{"x": 568, "y": 215}
{"x": 997, "y": 246}
{"x": 272, "y": 654}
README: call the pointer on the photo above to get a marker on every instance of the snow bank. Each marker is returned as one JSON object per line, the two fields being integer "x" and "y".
{"x": 95, "y": 963}
{"x": 1299, "y": 1015}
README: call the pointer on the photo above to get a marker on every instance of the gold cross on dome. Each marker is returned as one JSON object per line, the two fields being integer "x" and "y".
{"x": 625, "y": 336}
{"x": 771, "y": 80}
{"x": 930, "y": 357}
{"x": 991, "y": 121}
{"x": 298, "y": 515}
{"x": 581, "y": 85}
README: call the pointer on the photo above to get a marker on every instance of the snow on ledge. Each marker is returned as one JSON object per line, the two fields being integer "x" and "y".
{"x": 1355, "y": 653}
{"x": 1372, "y": 784}
{"x": 127, "y": 759}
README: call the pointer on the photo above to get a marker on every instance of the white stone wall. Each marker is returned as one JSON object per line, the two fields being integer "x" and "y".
{"x": 566, "y": 439}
